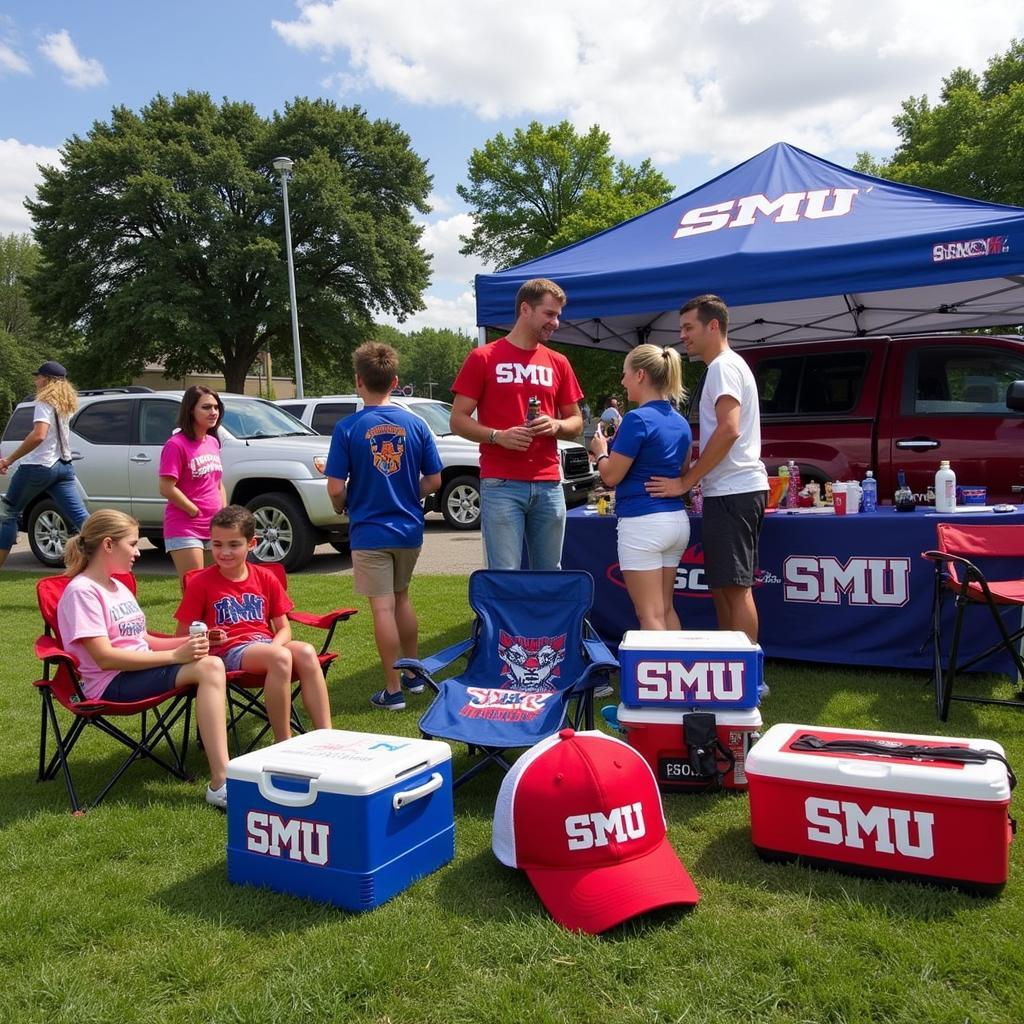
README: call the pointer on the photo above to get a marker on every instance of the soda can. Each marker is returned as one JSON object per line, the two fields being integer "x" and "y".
{"x": 198, "y": 628}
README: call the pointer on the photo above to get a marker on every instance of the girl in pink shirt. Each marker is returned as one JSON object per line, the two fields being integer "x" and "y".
{"x": 101, "y": 623}
{"x": 191, "y": 479}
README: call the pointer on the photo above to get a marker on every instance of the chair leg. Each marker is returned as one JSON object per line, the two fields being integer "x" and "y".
{"x": 62, "y": 752}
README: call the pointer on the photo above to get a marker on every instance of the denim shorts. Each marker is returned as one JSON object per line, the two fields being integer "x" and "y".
{"x": 181, "y": 543}
{"x": 232, "y": 657}
{"x": 141, "y": 683}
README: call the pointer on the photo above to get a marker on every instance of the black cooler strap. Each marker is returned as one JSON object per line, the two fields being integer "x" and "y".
{"x": 704, "y": 748}
{"x": 955, "y": 755}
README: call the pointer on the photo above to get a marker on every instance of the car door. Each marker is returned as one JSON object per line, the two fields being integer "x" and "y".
{"x": 952, "y": 405}
{"x": 157, "y": 418}
{"x": 99, "y": 432}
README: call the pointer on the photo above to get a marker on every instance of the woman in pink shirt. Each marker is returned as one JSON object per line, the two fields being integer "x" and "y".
{"x": 103, "y": 626}
{"x": 191, "y": 479}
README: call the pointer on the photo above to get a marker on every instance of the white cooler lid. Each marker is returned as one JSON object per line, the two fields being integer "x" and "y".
{"x": 987, "y": 781}
{"x": 748, "y": 718}
{"x": 349, "y": 763}
{"x": 687, "y": 640}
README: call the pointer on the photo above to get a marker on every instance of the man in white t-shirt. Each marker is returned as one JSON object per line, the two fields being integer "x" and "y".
{"x": 732, "y": 476}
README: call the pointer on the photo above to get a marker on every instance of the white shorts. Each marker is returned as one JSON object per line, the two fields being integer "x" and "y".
{"x": 652, "y": 542}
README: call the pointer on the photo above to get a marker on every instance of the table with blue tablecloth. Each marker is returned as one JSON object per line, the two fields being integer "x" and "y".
{"x": 848, "y": 590}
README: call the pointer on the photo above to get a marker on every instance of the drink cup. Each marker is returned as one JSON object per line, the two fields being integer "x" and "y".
{"x": 853, "y": 495}
{"x": 198, "y": 628}
{"x": 839, "y": 499}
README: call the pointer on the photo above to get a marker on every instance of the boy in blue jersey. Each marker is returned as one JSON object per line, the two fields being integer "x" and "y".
{"x": 383, "y": 460}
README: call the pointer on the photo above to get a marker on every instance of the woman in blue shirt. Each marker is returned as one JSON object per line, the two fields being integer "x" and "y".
{"x": 652, "y": 440}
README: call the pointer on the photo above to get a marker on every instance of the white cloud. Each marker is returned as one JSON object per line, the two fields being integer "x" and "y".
{"x": 442, "y": 240}
{"x": 440, "y": 204}
{"x": 457, "y": 314}
{"x": 11, "y": 61}
{"x": 723, "y": 78}
{"x": 78, "y": 71}
{"x": 18, "y": 179}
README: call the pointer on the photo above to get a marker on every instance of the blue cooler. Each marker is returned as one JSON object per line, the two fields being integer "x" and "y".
{"x": 712, "y": 669}
{"x": 347, "y": 818}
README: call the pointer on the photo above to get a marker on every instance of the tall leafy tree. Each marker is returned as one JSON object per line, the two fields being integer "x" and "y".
{"x": 20, "y": 341}
{"x": 544, "y": 188}
{"x": 162, "y": 234}
{"x": 971, "y": 142}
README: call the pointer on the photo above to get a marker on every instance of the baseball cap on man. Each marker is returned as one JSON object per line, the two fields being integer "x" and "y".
{"x": 51, "y": 368}
{"x": 581, "y": 814}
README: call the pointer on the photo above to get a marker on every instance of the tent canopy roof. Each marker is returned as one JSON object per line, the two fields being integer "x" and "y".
{"x": 798, "y": 248}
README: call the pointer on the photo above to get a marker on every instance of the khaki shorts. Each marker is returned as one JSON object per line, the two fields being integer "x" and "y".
{"x": 378, "y": 572}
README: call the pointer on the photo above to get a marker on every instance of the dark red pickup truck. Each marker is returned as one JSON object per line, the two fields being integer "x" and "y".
{"x": 840, "y": 408}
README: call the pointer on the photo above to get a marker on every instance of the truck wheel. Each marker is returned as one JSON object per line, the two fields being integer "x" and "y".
{"x": 47, "y": 533}
{"x": 460, "y": 503}
{"x": 283, "y": 533}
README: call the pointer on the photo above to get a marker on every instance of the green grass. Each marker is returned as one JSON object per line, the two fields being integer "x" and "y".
{"x": 125, "y": 914}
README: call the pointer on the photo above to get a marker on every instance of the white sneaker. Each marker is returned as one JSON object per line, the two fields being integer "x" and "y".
{"x": 602, "y": 691}
{"x": 218, "y": 797}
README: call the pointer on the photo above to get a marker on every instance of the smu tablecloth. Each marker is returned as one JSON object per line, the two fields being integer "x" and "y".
{"x": 850, "y": 590}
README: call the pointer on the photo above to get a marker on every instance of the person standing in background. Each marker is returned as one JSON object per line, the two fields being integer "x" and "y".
{"x": 652, "y": 439}
{"x": 45, "y": 456}
{"x": 520, "y": 479}
{"x": 191, "y": 479}
{"x": 611, "y": 417}
{"x": 732, "y": 475}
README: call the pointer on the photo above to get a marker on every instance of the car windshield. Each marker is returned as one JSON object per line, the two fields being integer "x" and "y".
{"x": 249, "y": 418}
{"x": 437, "y": 414}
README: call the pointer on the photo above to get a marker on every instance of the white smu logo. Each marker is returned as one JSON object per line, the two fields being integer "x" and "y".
{"x": 275, "y": 836}
{"x": 820, "y": 579}
{"x": 841, "y": 824}
{"x": 516, "y": 373}
{"x": 697, "y": 681}
{"x": 788, "y": 208}
{"x": 595, "y": 829}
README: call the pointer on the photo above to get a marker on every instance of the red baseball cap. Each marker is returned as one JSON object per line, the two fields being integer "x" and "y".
{"x": 581, "y": 814}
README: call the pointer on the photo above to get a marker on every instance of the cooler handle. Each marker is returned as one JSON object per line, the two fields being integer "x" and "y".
{"x": 865, "y": 769}
{"x": 285, "y": 796}
{"x": 407, "y": 796}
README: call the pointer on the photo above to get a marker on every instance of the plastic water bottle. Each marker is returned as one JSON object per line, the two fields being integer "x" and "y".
{"x": 784, "y": 475}
{"x": 697, "y": 499}
{"x": 793, "y": 490}
{"x": 945, "y": 488}
{"x": 869, "y": 493}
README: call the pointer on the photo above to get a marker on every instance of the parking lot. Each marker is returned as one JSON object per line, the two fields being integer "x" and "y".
{"x": 446, "y": 552}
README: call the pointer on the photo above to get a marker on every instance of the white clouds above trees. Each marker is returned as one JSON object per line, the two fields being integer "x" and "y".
{"x": 78, "y": 71}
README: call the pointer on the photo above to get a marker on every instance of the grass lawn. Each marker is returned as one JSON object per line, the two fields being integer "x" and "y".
{"x": 125, "y": 914}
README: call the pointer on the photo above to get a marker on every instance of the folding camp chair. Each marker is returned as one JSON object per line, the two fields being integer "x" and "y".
{"x": 956, "y": 572}
{"x": 532, "y": 654}
{"x": 245, "y": 689}
{"x": 61, "y": 685}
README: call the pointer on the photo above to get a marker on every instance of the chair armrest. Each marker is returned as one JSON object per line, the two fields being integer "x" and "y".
{"x": 328, "y": 621}
{"x": 425, "y": 669}
{"x": 47, "y": 649}
{"x": 598, "y": 653}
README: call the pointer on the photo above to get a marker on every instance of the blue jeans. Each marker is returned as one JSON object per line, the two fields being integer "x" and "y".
{"x": 512, "y": 511}
{"x": 57, "y": 480}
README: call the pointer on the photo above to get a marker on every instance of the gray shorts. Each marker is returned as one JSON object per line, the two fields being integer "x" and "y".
{"x": 731, "y": 528}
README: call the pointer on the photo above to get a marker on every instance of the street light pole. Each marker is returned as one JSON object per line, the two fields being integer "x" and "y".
{"x": 283, "y": 165}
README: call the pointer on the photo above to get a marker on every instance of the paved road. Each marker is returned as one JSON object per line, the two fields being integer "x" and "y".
{"x": 446, "y": 552}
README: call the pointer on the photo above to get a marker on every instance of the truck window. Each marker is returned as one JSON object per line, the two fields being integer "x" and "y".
{"x": 831, "y": 383}
{"x": 105, "y": 423}
{"x": 157, "y": 420}
{"x": 327, "y": 414}
{"x": 778, "y": 384}
{"x": 971, "y": 381}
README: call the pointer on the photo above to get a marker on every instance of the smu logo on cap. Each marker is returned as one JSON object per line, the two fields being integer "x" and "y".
{"x": 694, "y": 681}
{"x": 847, "y": 824}
{"x": 586, "y": 831}
{"x": 295, "y": 838}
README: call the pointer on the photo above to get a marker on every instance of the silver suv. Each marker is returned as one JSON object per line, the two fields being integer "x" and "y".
{"x": 459, "y": 498}
{"x": 272, "y": 463}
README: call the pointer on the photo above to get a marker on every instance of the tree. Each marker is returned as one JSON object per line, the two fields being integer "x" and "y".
{"x": 971, "y": 142}
{"x": 545, "y": 188}
{"x": 20, "y": 343}
{"x": 162, "y": 234}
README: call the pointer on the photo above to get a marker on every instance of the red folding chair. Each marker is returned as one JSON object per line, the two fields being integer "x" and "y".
{"x": 956, "y": 573}
{"x": 61, "y": 685}
{"x": 245, "y": 689}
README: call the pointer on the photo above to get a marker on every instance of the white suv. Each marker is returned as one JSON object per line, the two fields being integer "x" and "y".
{"x": 459, "y": 498}
{"x": 272, "y": 463}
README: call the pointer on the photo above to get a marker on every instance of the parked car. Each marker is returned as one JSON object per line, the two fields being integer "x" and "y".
{"x": 459, "y": 498}
{"x": 842, "y": 407}
{"x": 272, "y": 463}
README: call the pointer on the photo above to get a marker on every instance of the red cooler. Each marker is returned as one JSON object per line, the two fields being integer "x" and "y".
{"x": 660, "y": 737}
{"x": 930, "y": 808}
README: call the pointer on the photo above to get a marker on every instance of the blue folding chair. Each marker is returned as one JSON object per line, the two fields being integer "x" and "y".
{"x": 531, "y": 658}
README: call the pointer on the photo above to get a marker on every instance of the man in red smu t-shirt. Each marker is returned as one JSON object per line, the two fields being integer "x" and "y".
{"x": 520, "y": 483}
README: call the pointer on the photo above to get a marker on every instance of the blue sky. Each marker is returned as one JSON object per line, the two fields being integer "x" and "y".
{"x": 696, "y": 85}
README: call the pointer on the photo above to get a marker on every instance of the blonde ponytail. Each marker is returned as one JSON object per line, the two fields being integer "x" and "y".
{"x": 663, "y": 367}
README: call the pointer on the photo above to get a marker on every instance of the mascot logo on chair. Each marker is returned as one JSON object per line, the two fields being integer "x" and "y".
{"x": 529, "y": 670}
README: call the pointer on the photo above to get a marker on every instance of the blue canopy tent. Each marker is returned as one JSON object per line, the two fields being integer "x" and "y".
{"x": 798, "y": 247}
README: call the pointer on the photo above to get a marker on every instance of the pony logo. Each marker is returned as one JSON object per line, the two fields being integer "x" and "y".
{"x": 530, "y": 663}
{"x": 387, "y": 446}
{"x": 504, "y": 705}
